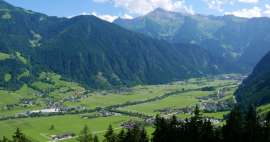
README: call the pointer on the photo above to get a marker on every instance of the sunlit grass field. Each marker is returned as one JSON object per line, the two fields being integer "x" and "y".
{"x": 38, "y": 128}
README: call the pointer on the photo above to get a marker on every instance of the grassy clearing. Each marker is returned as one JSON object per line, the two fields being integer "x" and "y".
{"x": 108, "y": 98}
{"x": 10, "y": 98}
{"x": 58, "y": 89}
{"x": 7, "y": 77}
{"x": 177, "y": 101}
{"x": 38, "y": 128}
{"x": 21, "y": 58}
{"x": 219, "y": 115}
{"x": 264, "y": 109}
{"x": 4, "y": 56}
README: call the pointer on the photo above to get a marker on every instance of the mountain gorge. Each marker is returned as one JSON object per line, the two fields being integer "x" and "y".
{"x": 92, "y": 52}
{"x": 240, "y": 42}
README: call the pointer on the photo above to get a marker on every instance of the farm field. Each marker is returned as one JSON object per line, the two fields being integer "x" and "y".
{"x": 177, "y": 101}
{"x": 99, "y": 108}
{"x": 38, "y": 129}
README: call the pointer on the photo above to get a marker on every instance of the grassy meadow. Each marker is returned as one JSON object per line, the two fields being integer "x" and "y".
{"x": 150, "y": 100}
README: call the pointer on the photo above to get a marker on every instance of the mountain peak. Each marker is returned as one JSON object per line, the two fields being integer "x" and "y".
{"x": 160, "y": 12}
{"x": 5, "y": 5}
{"x": 159, "y": 9}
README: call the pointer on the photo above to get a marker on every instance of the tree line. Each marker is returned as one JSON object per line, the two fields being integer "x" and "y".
{"x": 18, "y": 136}
{"x": 241, "y": 126}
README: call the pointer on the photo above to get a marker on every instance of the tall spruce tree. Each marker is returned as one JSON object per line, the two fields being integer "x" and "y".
{"x": 121, "y": 136}
{"x": 19, "y": 137}
{"x": 193, "y": 126}
{"x": 173, "y": 130}
{"x": 143, "y": 136}
{"x": 233, "y": 130}
{"x": 4, "y": 139}
{"x": 208, "y": 132}
{"x": 110, "y": 135}
{"x": 85, "y": 135}
{"x": 267, "y": 128}
{"x": 161, "y": 131}
{"x": 95, "y": 139}
{"x": 252, "y": 128}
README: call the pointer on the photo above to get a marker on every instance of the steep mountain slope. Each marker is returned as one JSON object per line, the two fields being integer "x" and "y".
{"x": 242, "y": 42}
{"x": 256, "y": 88}
{"x": 90, "y": 51}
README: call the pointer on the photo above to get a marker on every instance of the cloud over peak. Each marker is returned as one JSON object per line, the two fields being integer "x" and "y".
{"x": 249, "y": 1}
{"x": 247, "y": 13}
{"x": 141, "y": 7}
{"x": 219, "y": 4}
{"x": 252, "y": 12}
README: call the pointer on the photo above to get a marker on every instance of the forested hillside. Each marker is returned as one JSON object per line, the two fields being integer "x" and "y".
{"x": 256, "y": 88}
{"x": 90, "y": 51}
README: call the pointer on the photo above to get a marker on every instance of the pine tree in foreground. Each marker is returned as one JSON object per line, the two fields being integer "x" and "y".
{"x": 85, "y": 135}
{"x": 110, "y": 135}
{"x": 96, "y": 139}
{"x": 4, "y": 139}
{"x": 19, "y": 137}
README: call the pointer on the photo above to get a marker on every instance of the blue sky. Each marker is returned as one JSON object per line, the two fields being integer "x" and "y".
{"x": 111, "y": 9}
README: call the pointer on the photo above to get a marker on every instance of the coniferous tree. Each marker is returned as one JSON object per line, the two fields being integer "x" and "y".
{"x": 143, "y": 136}
{"x": 267, "y": 118}
{"x": 128, "y": 136}
{"x": 173, "y": 130}
{"x": 252, "y": 128}
{"x": 121, "y": 136}
{"x": 208, "y": 132}
{"x": 160, "y": 133}
{"x": 233, "y": 130}
{"x": 85, "y": 135}
{"x": 4, "y": 139}
{"x": 133, "y": 134}
{"x": 193, "y": 126}
{"x": 19, "y": 137}
{"x": 267, "y": 128}
{"x": 110, "y": 135}
{"x": 95, "y": 139}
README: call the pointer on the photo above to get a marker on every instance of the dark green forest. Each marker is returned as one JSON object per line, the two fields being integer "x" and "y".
{"x": 256, "y": 88}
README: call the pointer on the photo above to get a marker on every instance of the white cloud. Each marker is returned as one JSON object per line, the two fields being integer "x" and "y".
{"x": 126, "y": 16}
{"x": 106, "y": 17}
{"x": 267, "y": 10}
{"x": 218, "y": 4}
{"x": 249, "y": 1}
{"x": 142, "y": 7}
{"x": 247, "y": 13}
{"x": 252, "y": 12}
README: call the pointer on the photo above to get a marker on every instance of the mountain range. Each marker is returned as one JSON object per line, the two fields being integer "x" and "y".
{"x": 92, "y": 52}
{"x": 241, "y": 42}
